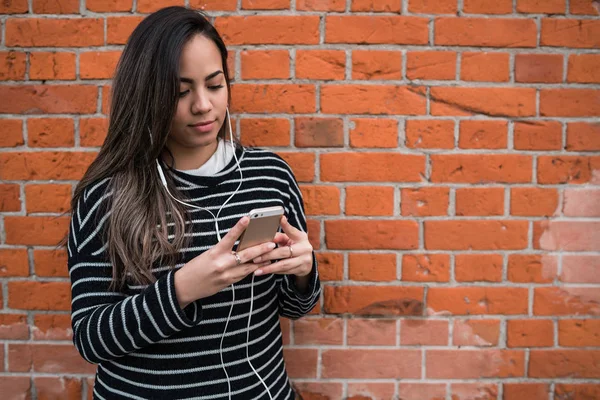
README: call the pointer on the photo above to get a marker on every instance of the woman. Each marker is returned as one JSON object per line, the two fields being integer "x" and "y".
{"x": 161, "y": 300}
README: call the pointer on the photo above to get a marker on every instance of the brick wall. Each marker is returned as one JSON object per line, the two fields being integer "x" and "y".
{"x": 449, "y": 155}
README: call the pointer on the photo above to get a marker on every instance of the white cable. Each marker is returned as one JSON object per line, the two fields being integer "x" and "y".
{"x": 223, "y": 337}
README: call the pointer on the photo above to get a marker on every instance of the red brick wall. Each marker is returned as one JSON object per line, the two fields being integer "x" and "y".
{"x": 449, "y": 155}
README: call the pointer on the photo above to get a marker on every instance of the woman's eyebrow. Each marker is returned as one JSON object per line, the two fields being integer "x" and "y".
{"x": 208, "y": 77}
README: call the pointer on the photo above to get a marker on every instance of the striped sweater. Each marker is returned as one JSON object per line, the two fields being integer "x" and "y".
{"x": 145, "y": 345}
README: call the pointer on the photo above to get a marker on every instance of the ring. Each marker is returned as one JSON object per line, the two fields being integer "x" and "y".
{"x": 238, "y": 260}
{"x": 291, "y": 252}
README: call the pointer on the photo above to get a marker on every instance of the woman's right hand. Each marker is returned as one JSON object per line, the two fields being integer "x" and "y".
{"x": 217, "y": 268}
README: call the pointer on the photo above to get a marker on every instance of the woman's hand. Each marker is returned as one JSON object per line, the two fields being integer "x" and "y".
{"x": 295, "y": 253}
{"x": 218, "y": 267}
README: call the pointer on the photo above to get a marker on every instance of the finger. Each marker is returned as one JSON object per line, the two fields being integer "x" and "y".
{"x": 227, "y": 242}
{"x": 277, "y": 254}
{"x": 280, "y": 267}
{"x": 291, "y": 231}
{"x": 255, "y": 251}
{"x": 281, "y": 239}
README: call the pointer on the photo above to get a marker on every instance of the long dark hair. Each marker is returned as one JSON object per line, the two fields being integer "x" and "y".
{"x": 144, "y": 100}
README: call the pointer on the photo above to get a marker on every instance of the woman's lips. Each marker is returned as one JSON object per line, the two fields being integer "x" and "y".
{"x": 203, "y": 127}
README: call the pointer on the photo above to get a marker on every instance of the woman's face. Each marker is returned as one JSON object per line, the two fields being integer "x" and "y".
{"x": 202, "y": 96}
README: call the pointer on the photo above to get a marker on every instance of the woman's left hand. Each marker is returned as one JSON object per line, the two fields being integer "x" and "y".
{"x": 295, "y": 253}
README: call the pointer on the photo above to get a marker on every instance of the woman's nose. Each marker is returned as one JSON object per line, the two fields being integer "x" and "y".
{"x": 201, "y": 103}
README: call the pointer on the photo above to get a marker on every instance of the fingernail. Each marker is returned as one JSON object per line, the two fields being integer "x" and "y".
{"x": 258, "y": 272}
{"x": 272, "y": 245}
{"x": 257, "y": 260}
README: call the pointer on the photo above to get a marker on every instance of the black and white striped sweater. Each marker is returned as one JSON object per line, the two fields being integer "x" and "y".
{"x": 145, "y": 346}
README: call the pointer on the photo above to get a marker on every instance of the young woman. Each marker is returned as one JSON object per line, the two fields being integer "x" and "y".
{"x": 161, "y": 300}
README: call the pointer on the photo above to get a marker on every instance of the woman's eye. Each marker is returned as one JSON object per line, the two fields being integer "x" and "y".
{"x": 181, "y": 94}
{"x": 215, "y": 87}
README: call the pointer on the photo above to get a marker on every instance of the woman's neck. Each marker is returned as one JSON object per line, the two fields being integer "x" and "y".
{"x": 187, "y": 158}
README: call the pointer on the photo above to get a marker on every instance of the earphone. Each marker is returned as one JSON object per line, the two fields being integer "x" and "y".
{"x": 215, "y": 218}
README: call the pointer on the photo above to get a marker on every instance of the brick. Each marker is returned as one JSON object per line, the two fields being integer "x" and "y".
{"x": 15, "y": 262}
{"x": 564, "y": 364}
{"x": 374, "y": 300}
{"x": 320, "y": 331}
{"x": 532, "y": 268}
{"x": 274, "y": 98}
{"x": 425, "y": 267}
{"x": 539, "y": 68}
{"x": 376, "y": 64}
{"x": 110, "y": 5}
{"x": 475, "y": 168}
{"x": 577, "y": 391}
{"x": 371, "y": 332}
{"x": 482, "y": 134}
{"x": 358, "y": 391}
{"x": 118, "y": 29}
{"x": 253, "y": 64}
{"x": 51, "y": 358}
{"x": 268, "y": 29}
{"x": 331, "y": 266}
{"x": 68, "y": 388}
{"x": 363, "y": 29}
{"x": 372, "y": 167}
{"x": 417, "y": 332}
{"x": 478, "y": 267}
{"x": 52, "y": 65}
{"x": 265, "y": 4}
{"x": 492, "y": 102}
{"x": 10, "y": 197}
{"x": 314, "y": 234}
{"x": 530, "y": 333}
{"x": 98, "y": 64}
{"x": 565, "y": 301}
{"x": 539, "y": 135}
{"x": 425, "y": 201}
{"x": 583, "y": 7}
{"x": 581, "y": 203}
{"x": 257, "y": 132}
{"x": 476, "y": 332}
{"x": 318, "y": 390}
{"x": 487, "y": 6}
{"x": 485, "y": 67}
{"x": 566, "y": 235}
{"x": 480, "y": 391}
{"x": 321, "y": 199}
{"x": 376, "y": 6}
{"x": 369, "y": 200}
{"x": 574, "y": 33}
{"x": 484, "y": 32}
{"x": 580, "y": 269}
{"x": 213, "y": 5}
{"x": 480, "y": 201}
{"x": 14, "y": 387}
{"x": 370, "y": 364}
{"x": 301, "y": 363}
{"x": 14, "y": 7}
{"x": 371, "y": 234}
{"x": 303, "y": 165}
{"x": 434, "y": 65}
{"x": 475, "y": 235}
{"x": 51, "y": 263}
{"x": 44, "y": 165}
{"x": 49, "y": 99}
{"x": 420, "y": 391}
{"x": 11, "y": 133}
{"x": 478, "y": 300}
{"x": 373, "y": 99}
{"x": 583, "y": 136}
{"x": 530, "y": 391}
{"x": 48, "y": 198}
{"x": 92, "y": 131}
{"x": 54, "y": 32}
{"x": 432, "y": 7}
{"x": 45, "y": 231}
{"x": 430, "y": 134}
{"x": 319, "y": 132}
{"x": 13, "y": 327}
{"x": 52, "y": 327}
{"x": 56, "y": 6}
{"x": 372, "y": 267}
{"x": 579, "y": 332}
{"x": 320, "y": 5}
{"x": 474, "y": 364}
{"x": 533, "y": 201}
{"x": 149, "y": 6}
{"x": 565, "y": 169}
{"x": 373, "y": 133}
{"x": 12, "y": 66}
{"x": 29, "y": 295}
{"x": 584, "y": 68}
{"x": 541, "y": 6}
{"x": 320, "y": 64}
{"x": 50, "y": 132}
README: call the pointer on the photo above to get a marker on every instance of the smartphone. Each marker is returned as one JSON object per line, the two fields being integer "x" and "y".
{"x": 264, "y": 223}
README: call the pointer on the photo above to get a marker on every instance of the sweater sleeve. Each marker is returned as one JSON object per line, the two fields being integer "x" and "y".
{"x": 294, "y": 304}
{"x": 108, "y": 324}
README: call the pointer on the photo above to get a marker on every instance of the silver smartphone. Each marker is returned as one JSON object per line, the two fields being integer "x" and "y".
{"x": 264, "y": 223}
